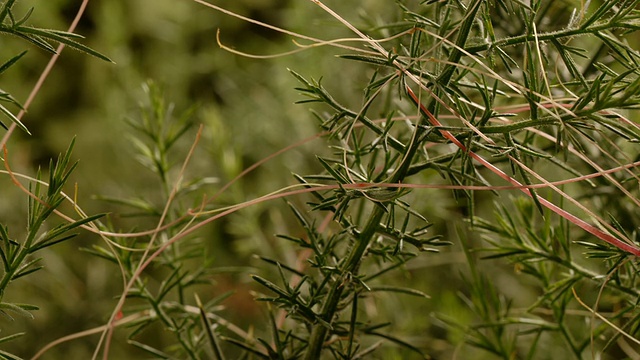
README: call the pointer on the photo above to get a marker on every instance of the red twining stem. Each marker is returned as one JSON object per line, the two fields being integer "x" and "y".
{"x": 549, "y": 205}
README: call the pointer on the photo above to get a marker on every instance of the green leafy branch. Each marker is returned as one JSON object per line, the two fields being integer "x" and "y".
{"x": 17, "y": 257}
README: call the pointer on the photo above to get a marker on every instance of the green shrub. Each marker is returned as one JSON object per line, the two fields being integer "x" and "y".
{"x": 471, "y": 190}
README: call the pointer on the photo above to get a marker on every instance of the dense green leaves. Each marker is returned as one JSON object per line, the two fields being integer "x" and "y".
{"x": 461, "y": 142}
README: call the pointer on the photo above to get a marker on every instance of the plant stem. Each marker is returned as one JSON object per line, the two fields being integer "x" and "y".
{"x": 335, "y": 293}
{"x": 354, "y": 258}
{"x": 555, "y": 35}
{"x": 16, "y": 262}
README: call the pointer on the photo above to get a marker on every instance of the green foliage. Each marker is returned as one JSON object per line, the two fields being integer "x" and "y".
{"x": 181, "y": 266}
{"x": 474, "y": 193}
{"x": 459, "y": 77}
{"x": 18, "y": 257}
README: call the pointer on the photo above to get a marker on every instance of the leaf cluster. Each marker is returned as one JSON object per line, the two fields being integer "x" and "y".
{"x": 469, "y": 65}
{"x": 18, "y": 257}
